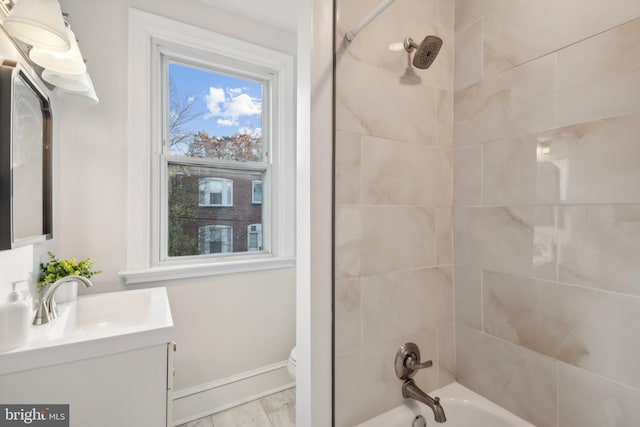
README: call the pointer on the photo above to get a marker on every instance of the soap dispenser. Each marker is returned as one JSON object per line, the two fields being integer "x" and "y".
{"x": 15, "y": 316}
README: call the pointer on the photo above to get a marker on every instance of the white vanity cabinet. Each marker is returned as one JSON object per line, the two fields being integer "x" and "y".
{"x": 122, "y": 378}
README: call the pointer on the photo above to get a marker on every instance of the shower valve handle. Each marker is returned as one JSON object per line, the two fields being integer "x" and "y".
{"x": 407, "y": 361}
{"x": 411, "y": 363}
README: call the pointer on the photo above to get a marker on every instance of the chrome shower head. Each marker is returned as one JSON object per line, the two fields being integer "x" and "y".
{"x": 426, "y": 51}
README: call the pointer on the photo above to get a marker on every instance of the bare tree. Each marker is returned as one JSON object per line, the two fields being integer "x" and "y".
{"x": 181, "y": 112}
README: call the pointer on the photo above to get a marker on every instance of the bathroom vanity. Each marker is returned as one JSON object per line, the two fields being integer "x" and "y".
{"x": 109, "y": 356}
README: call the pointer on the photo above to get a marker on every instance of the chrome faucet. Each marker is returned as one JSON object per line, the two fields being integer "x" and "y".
{"x": 412, "y": 391}
{"x": 406, "y": 364}
{"x": 47, "y": 309}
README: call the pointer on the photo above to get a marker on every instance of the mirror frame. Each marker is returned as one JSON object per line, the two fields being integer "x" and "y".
{"x": 10, "y": 71}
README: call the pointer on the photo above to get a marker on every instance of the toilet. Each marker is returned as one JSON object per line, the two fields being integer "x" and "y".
{"x": 291, "y": 364}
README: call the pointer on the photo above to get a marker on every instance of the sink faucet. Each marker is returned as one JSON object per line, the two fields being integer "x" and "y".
{"x": 412, "y": 391}
{"x": 47, "y": 309}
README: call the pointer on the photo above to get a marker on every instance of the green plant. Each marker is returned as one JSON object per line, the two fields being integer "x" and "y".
{"x": 56, "y": 269}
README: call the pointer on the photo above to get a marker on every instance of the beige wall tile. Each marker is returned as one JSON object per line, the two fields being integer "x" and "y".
{"x": 616, "y": 405}
{"x": 518, "y": 102}
{"x": 594, "y": 162}
{"x": 381, "y": 239}
{"x": 405, "y": 303}
{"x": 371, "y": 101}
{"x": 599, "y": 247}
{"x": 365, "y": 384}
{"x": 444, "y": 236}
{"x": 348, "y": 315}
{"x": 397, "y": 173}
{"x": 592, "y": 329}
{"x": 583, "y": 327}
{"x": 509, "y": 170}
{"x": 444, "y": 123}
{"x": 510, "y": 308}
{"x": 517, "y": 379}
{"x": 446, "y": 362}
{"x": 468, "y": 56}
{"x": 467, "y": 175}
{"x": 525, "y": 30}
{"x": 469, "y": 11}
{"x": 497, "y": 239}
{"x": 598, "y": 77}
{"x": 557, "y": 117}
{"x": 468, "y": 296}
{"x": 348, "y": 168}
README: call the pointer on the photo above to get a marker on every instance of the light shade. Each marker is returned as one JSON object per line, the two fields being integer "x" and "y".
{"x": 87, "y": 97}
{"x": 38, "y": 23}
{"x": 69, "y": 62}
{"x": 72, "y": 82}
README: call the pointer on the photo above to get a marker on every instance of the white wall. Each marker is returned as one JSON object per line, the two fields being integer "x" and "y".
{"x": 19, "y": 264}
{"x": 253, "y": 313}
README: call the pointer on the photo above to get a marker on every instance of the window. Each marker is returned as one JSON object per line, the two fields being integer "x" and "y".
{"x": 215, "y": 192}
{"x": 256, "y": 192}
{"x": 215, "y": 239}
{"x": 212, "y": 191}
{"x": 254, "y": 237}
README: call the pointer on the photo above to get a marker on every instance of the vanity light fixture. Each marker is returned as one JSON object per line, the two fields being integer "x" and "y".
{"x": 38, "y": 23}
{"x": 72, "y": 82}
{"x": 88, "y": 96}
{"x": 69, "y": 62}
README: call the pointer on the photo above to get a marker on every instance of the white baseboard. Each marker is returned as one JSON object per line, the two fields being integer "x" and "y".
{"x": 199, "y": 401}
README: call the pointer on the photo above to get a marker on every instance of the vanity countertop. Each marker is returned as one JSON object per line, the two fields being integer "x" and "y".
{"x": 95, "y": 325}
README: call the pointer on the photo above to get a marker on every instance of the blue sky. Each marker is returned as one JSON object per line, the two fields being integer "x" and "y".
{"x": 225, "y": 105}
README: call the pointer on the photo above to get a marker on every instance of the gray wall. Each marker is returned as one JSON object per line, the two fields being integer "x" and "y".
{"x": 547, "y": 208}
{"x": 393, "y": 198}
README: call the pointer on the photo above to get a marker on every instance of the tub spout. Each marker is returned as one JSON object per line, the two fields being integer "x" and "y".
{"x": 412, "y": 391}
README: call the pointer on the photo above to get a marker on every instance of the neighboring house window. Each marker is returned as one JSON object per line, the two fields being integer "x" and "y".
{"x": 254, "y": 239}
{"x": 256, "y": 192}
{"x": 211, "y": 142}
{"x": 215, "y": 192}
{"x": 215, "y": 239}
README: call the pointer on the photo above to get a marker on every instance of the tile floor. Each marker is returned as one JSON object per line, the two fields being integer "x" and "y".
{"x": 275, "y": 410}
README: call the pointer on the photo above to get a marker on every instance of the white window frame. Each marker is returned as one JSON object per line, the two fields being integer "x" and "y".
{"x": 253, "y": 192}
{"x": 150, "y": 37}
{"x": 206, "y": 231}
{"x": 226, "y": 195}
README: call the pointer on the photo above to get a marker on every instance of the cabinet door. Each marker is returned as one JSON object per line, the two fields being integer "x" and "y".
{"x": 122, "y": 389}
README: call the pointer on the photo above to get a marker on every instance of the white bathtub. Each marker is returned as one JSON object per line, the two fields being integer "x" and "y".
{"x": 463, "y": 408}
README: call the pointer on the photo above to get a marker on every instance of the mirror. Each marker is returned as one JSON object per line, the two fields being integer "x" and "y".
{"x": 25, "y": 159}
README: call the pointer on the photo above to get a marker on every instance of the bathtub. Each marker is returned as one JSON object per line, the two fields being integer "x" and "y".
{"x": 463, "y": 408}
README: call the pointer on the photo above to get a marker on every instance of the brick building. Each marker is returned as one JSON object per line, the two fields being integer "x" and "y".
{"x": 213, "y": 210}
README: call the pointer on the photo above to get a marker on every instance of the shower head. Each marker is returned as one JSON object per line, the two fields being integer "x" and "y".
{"x": 426, "y": 51}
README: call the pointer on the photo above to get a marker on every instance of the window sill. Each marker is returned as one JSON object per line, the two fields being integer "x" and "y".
{"x": 172, "y": 272}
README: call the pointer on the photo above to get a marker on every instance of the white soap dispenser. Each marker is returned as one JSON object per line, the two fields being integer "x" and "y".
{"x": 15, "y": 320}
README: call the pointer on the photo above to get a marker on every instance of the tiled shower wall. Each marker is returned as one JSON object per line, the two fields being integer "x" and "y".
{"x": 547, "y": 208}
{"x": 393, "y": 205}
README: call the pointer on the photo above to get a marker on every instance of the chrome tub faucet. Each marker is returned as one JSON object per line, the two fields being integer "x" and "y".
{"x": 406, "y": 364}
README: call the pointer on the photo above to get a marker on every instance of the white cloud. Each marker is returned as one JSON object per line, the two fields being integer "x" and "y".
{"x": 252, "y": 132}
{"x": 243, "y": 105}
{"x": 231, "y": 106}
{"x": 227, "y": 122}
{"x": 214, "y": 99}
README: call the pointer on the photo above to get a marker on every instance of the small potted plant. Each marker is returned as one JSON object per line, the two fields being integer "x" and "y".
{"x": 56, "y": 269}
